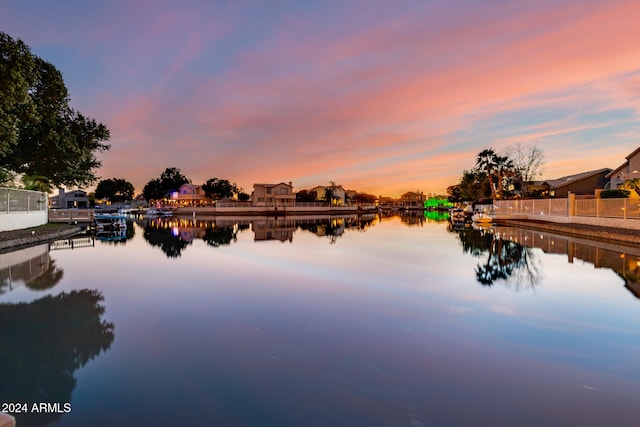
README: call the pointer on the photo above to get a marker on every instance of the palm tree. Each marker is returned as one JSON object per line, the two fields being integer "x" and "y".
{"x": 504, "y": 168}
{"x": 487, "y": 161}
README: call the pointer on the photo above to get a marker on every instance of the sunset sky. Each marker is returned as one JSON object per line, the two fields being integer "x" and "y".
{"x": 379, "y": 96}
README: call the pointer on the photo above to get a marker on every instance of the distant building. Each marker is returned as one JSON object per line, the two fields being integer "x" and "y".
{"x": 339, "y": 194}
{"x": 413, "y": 200}
{"x": 273, "y": 195}
{"x": 72, "y": 199}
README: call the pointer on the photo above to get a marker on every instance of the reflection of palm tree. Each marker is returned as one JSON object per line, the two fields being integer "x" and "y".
{"x": 44, "y": 343}
{"x": 505, "y": 260}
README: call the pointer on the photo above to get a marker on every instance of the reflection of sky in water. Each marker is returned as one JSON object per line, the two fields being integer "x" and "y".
{"x": 383, "y": 327}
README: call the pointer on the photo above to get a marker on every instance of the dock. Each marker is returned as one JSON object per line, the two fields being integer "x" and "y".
{"x": 72, "y": 216}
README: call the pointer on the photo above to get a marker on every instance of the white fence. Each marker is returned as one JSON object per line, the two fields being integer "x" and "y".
{"x": 22, "y": 209}
{"x": 593, "y": 208}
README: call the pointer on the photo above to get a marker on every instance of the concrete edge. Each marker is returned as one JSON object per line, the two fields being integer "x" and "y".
{"x": 38, "y": 238}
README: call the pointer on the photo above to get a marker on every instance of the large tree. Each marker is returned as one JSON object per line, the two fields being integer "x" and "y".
{"x": 528, "y": 160}
{"x": 220, "y": 188}
{"x": 159, "y": 188}
{"x": 40, "y": 134}
{"x": 115, "y": 190}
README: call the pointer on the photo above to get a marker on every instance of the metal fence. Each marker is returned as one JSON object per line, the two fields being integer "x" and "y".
{"x": 16, "y": 200}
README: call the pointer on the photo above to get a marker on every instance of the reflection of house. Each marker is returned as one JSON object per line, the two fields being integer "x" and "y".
{"x": 581, "y": 183}
{"x": 274, "y": 229}
{"x": 273, "y": 195}
{"x": 190, "y": 194}
{"x": 72, "y": 199}
{"x": 413, "y": 199}
{"x": 25, "y": 266}
{"x": 627, "y": 171}
{"x": 339, "y": 194}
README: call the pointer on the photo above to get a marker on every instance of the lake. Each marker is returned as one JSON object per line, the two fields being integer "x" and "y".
{"x": 356, "y": 321}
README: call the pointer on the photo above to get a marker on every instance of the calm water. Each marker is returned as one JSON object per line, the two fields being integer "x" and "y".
{"x": 369, "y": 322}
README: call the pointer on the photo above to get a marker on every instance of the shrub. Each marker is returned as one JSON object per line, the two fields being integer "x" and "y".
{"x": 615, "y": 194}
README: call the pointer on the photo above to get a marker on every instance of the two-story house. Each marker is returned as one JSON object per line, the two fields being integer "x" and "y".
{"x": 273, "y": 195}
{"x": 190, "y": 194}
{"x": 339, "y": 194}
{"x": 72, "y": 199}
{"x": 628, "y": 171}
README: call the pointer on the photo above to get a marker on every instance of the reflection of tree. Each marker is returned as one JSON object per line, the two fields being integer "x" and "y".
{"x": 506, "y": 259}
{"x": 219, "y": 236}
{"x": 48, "y": 279}
{"x": 44, "y": 343}
{"x": 171, "y": 245}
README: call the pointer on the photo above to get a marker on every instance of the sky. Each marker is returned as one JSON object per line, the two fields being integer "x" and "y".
{"x": 378, "y": 96}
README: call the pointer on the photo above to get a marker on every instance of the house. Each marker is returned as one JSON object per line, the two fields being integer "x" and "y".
{"x": 273, "y": 195}
{"x": 628, "y": 171}
{"x": 387, "y": 202}
{"x": 412, "y": 200}
{"x": 580, "y": 184}
{"x": 190, "y": 194}
{"x": 72, "y": 199}
{"x": 339, "y": 197}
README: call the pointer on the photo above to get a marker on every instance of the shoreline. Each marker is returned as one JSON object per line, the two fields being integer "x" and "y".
{"x": 16, "y": 239}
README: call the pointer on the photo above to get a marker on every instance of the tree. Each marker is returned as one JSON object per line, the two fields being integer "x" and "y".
{"x": 486, "y": 162}
{"x": 306, "y": 196}
{"x": 159, "y": 188}
{"x": 40, "y": 134}
{"x": 364, "y": 198}
{"x": 114, "y": 190}
{"x": 504, "y": 171}
{"x": 527, "y": 161}
{"x": 219, "y": 188}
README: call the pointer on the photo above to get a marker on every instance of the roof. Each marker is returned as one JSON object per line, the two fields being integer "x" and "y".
{"x": 633, "y": 153}
{"x": 274, "y": 185}
{"x": 628, "y": 157}
{"x": 570, "y": 179}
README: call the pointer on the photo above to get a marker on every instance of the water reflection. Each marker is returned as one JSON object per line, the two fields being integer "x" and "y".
{"x": 32, "y": 267}
{"x": 173, "y": 235}
{"x": 43, "y": 343}
{"x": 505, "y": 260}
{"x": 117, "y": 237}
{"x": 624, "y": 261}
{"x": 510, "y": 259}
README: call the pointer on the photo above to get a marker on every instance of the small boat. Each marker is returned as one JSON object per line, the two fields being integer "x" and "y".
{"x": 481, "y": 217}
{"x": 110, "y": 222}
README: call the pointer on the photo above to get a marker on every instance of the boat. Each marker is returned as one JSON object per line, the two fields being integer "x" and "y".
{"x": 110, "y": 222}
{"x": 481, "y": 217}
